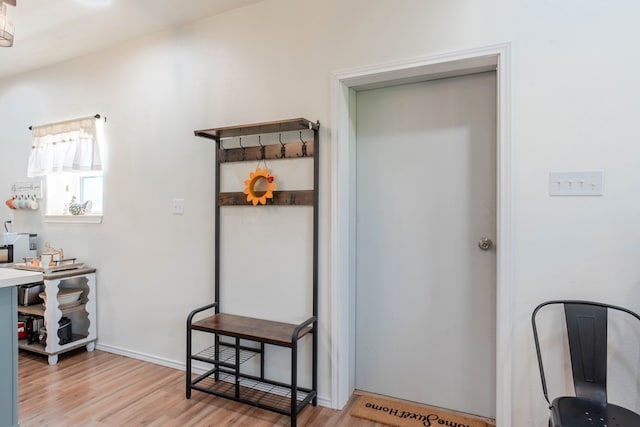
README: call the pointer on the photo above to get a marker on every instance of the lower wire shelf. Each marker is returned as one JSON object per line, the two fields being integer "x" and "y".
{"x": 226, "y": 354}
{"x": 257, "y": 392}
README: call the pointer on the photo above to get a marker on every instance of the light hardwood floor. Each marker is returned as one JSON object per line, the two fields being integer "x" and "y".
{"x": 100, "y": 389}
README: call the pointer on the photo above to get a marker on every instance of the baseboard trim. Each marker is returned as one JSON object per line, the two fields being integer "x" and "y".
{"x": 322, "y": 401}
{"x": 141, "y": 356}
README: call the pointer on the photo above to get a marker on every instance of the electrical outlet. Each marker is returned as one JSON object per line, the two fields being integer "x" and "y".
{"x": 178, "y": 206}
{"x": 587, "y": 183}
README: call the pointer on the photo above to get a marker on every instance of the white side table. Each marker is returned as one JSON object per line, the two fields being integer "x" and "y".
{"x": 82, "y": 313}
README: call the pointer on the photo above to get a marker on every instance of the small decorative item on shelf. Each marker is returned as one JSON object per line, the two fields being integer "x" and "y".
{"x": 50, "y": 256}
{"x": 260, "y": 177}
{"x": 76, "y": 208}
{"x": 32, "y": 262}
{"x": 66, "y": 297}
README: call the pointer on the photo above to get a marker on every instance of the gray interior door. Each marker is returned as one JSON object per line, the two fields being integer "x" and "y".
{"x": 426, "y": 196}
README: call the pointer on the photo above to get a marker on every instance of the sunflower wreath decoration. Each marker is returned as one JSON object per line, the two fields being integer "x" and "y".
{"x": 265, "y": 184}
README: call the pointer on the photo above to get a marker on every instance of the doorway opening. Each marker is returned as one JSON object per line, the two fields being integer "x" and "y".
{"x": 346, "y": 86}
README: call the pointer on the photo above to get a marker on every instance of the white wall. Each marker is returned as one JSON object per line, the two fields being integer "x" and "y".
{"x": 575, "y": 100}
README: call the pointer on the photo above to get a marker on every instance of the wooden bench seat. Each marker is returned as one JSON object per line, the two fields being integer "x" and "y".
{"x": 266, "y": 331}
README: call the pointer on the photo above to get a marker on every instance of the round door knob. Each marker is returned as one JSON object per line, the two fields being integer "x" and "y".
{"x": 485, "y": 243}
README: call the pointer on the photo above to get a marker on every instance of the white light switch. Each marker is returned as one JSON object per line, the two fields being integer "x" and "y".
{"x": 178, "y": 206}
{"x": 587, "y": 183}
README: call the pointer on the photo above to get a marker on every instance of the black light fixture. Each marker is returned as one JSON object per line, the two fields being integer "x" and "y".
{"x": 7, "y": 29}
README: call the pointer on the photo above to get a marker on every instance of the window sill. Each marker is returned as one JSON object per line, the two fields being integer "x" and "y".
{"x": 74, "y": 219}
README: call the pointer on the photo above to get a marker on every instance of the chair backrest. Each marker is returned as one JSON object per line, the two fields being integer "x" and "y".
{"x": 587, "y": 335}
{"x": 587, "y": 338}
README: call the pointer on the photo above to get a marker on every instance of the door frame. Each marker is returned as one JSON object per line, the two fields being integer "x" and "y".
{"x": 345, "y": 85}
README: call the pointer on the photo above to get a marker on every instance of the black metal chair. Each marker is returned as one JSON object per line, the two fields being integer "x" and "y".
{"x": 586, "y": 324}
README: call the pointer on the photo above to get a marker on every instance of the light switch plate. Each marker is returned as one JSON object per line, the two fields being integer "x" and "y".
{"x": 178, "y": 206}
{"x": 579, "y": 183}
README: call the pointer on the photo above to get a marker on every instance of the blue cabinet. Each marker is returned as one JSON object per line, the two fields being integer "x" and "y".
{"x": 9, "y": 279}
{"x": 8, "y": 357}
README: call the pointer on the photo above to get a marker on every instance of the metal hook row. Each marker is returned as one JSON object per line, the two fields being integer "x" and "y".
{"x": 262, "y": 156}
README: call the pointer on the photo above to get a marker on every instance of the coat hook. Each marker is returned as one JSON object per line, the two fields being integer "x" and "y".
{"x": 283, "y": 150}
{"x": 244, "y": 150}
{"x": 262, "y": 149}
{"x": 224, "y": 152}
{"x": 304, "y": 147}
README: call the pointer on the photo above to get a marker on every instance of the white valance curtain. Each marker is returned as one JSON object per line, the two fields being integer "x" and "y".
{"x": 70, "y": 146}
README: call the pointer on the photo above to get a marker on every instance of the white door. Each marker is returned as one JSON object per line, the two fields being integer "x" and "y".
{"x": 426, "y": 195}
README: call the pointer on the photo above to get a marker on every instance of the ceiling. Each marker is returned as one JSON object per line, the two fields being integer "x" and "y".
{"x": 52, "y": 31}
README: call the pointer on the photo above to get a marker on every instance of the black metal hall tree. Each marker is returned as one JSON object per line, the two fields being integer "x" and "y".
{"x": 238, "y": 339}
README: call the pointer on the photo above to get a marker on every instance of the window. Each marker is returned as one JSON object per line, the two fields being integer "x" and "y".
{"x": 67, "y": 155}
{"x": 81, "y": 187}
